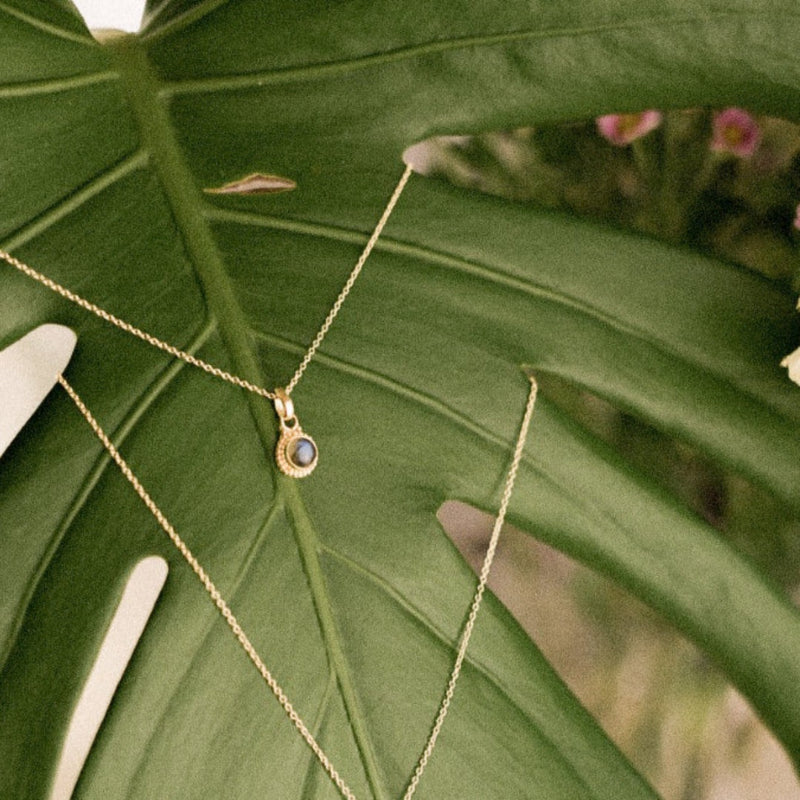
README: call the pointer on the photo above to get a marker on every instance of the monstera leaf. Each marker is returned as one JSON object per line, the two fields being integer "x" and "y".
{"x": 345, "y": 581}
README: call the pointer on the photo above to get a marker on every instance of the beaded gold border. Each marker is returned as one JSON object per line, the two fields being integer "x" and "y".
{"x": 285, "y": 464}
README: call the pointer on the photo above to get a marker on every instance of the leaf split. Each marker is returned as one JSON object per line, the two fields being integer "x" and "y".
{"x": 257, "y": 183}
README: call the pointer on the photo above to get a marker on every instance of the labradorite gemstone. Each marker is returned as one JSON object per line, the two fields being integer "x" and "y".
{"x": 302, "y": 452}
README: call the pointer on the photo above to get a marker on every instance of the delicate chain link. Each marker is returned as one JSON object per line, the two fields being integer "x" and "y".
{"x": 132, "y": 329}
{"x": 351, "y": 280}
{"x": 244, "y": 641}
{"x": 198, "y": 362}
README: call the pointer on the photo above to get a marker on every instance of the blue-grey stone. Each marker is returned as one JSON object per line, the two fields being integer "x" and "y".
{"x": 302, "y": 452}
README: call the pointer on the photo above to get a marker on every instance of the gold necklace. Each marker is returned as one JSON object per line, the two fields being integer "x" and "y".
{"x": 246, "y": 644}
{"x": 296, "y": 455}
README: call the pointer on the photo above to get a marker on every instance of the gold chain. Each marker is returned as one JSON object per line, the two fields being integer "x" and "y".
{"x": 475, "y": 606}
{"x": 280, "y": 396}
{"x": 198, "y": 362}
{"x": 398, "y": 190}
{"x": 245, "y": 642}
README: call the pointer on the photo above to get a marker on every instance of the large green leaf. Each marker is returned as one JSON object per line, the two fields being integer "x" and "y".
{"x": 346, "y": 582}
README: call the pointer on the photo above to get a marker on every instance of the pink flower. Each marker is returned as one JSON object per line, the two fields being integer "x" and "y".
{"x": 796, "y": 222}
{"x": 622, "y": 129}
{"x": 735, "y": 131}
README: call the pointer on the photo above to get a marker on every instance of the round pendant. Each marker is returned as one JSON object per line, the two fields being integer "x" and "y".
{"x": 296, "y": 453}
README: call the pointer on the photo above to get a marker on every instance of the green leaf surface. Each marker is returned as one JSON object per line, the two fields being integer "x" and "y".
{"x": 345, "y": 582}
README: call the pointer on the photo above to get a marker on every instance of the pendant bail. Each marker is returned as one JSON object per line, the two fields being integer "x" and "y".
{"x": 284, "y": 407}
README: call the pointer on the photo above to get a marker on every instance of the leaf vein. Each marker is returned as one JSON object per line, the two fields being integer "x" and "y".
{"x": 67, "y": 205}
{"x": 47, "y": 27}
{"x": 29, "y": 89}
{"x": 233, "y": 82}
{"x": 150, "y": 32}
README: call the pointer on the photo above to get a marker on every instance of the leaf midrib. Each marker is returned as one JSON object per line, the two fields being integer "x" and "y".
{"x": 187, "y": 205}
{"x": 159, "y": 141}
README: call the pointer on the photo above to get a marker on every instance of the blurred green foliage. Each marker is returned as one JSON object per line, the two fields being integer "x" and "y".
{"x": 668, "y": 184}
{"x": 671, "y": 185}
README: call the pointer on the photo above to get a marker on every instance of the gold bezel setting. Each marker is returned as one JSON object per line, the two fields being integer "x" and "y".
{"x": 288, "y": 438}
